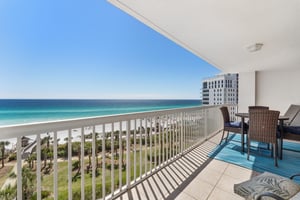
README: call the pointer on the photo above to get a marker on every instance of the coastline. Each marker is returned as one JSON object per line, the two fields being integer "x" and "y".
{"x": 23, "y": 111}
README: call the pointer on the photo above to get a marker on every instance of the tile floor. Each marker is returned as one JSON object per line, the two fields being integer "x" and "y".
{"x": 193, "y": 177}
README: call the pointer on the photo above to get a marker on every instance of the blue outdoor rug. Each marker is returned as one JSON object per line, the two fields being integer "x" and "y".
{"x": 260, "y": 158}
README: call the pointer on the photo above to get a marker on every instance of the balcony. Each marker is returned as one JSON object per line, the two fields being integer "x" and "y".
{"x": 110, "y": 157}
{"x": 193, "y": 176}
{"x": 168, "y": 149}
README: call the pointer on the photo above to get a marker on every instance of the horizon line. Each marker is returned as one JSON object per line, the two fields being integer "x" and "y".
{"x": 100, "y": 99}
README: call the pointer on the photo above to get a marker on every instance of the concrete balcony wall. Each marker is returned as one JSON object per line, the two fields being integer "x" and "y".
{"x": 278, "y": 89}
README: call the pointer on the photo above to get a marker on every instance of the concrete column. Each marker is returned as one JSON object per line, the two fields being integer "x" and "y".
{"x": 247, "y": 90}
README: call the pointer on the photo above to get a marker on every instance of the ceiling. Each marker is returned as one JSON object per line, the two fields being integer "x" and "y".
{"x": 219, "y": 31}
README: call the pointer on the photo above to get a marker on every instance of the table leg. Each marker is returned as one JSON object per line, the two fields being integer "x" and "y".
{"x": 242, "y": 133}
{"x": 281, "y": 138}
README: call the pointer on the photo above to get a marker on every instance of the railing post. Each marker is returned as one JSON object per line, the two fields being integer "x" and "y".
{"x": 150, "y": 135}
{"x": 134, "y": 145}
{"x": 155, "y": 143}
{"x": 146, "y": 153}
{"x": 94, "y": 149}
{"x": 181, "y": 133}
{"x": 69, "y": 164}
{"x": 140, "y": 133}
{"x": 82, "y": 163}
{"x": 167, "y": 139}
{"x": 55, "y": 167}
{"x": 38, "y": 167}
{"x": 177, "y": 135}
{"x": 159, "y": 141}
{"x": 205, "y": 123}
{"x": 103, "y": 161}
{"x": 112, "y": 163}
{"x": 120, "y": 156}
{"x": 19, "y": 169}
{"x": 163, "y": 141}
{"x": 128, "y": 168}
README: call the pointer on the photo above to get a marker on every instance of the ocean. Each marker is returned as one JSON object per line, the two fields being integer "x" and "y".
{"x": 22, "y": 111}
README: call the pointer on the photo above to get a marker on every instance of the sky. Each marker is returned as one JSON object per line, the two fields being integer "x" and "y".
{"x": 74, "y": 49}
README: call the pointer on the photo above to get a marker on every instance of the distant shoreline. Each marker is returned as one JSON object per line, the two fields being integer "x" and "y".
{"x": 96, "y": 99}
{"x": 22, "y": 111}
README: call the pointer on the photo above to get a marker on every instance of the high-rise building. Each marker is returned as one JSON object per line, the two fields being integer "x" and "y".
{"x": 220, "y": 89}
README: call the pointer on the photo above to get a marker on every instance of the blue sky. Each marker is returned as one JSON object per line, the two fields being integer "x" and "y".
{"x": 90, "y": 49}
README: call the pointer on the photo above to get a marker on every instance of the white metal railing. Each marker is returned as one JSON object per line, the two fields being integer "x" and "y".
{"x": 102, "y": 157}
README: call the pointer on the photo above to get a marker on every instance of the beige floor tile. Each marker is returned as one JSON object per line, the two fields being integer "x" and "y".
{"x": 226, "y": 183}
{"x": 177, "y": 173}
{"x": 161, "y": 188}
{"x": 216, "y": 139}
{"x": 128, "y": 195}
{"x": 183, "y": 165}
{"x": 218, "y": 165}
{"x": 173, "y": 175}
{"x": 164, "y": 184}
{"x": 219, "y": 194}
{"x": 238, "y": 172}
{"x": 143, "y": 191}
{"x": 170, "y": 178}
{"x": 209, "y": 175}
{"x": 138, "y": 192}
{"x": 184, "y": 196}
{"x": 152, "y": 189}
{"x": 198, "y": 189}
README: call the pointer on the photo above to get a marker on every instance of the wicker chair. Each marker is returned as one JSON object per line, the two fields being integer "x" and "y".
{"x": 292, "y": 113}
{"x": 258, "y": 108}
{"x": 263, "y": 128}
{"x": 291, "y": 133}
{"x": 229, "y": 126}
{"x": 291, "y": 127}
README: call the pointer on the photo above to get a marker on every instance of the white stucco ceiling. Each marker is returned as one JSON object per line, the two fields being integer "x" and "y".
{"x": 219, "y": 31}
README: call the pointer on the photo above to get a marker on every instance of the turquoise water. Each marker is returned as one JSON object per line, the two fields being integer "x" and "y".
{"x": 20, "y": 111}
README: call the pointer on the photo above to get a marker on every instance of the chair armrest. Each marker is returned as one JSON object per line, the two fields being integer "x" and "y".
{"x": 294, "y": 176}
{"x": 268, "y": 194}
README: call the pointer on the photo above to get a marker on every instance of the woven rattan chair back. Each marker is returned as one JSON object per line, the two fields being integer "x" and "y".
{"x": 263, "y": 125}
{"x": 258, "y": 108}
{"x": 263, "y": 128}
{"x": 225, "y": 114}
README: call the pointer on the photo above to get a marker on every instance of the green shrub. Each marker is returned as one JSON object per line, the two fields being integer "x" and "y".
{"x": 12, "y": 157}
{"x": 44, "y": 194}
{"x": 12, "y": 175}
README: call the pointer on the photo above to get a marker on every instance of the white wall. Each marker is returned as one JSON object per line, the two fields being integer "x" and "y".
{"x": 278, "y": 89}
{"x": 247, "y": 90}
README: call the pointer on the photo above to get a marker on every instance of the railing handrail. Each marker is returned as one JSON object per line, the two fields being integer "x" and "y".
{"x": 11, "y": 131}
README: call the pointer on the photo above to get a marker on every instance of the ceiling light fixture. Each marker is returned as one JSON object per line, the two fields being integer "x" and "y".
{"x": 254, "y": 47}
